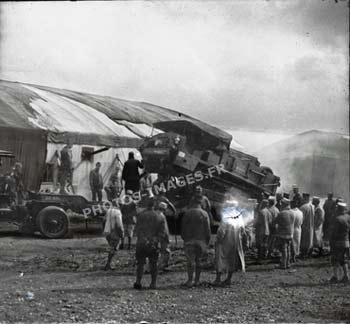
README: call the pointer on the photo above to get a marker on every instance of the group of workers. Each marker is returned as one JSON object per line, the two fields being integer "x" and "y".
{"x": 299, "y": 226}
{"x": 152, "y": 235}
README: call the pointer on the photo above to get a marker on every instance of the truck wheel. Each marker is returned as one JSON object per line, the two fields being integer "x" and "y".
{"x": 53, "y": 222}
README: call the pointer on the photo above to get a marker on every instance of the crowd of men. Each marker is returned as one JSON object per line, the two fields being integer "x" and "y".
{"x": 290, "y": 226}
{"x": 300, "y": 227}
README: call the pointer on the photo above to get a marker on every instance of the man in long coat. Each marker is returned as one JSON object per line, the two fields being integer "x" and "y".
{"x": 318, "y": 229}
{"x": 329, "y": 209}
{"x": 339, "y": 243}
{"x": 307, "y": 229}
{"x": 229, "y": 253}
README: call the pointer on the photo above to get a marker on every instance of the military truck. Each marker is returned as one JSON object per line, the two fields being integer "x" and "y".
{"x": 187, "y": 154}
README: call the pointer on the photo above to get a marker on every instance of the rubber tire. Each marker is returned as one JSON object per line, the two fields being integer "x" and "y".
{"x": 42, "y": 218}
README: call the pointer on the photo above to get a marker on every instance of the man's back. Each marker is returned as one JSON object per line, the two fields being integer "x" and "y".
{"x": 298, "y": 218}
{"x": 285, "y": 223}
{"x": 340, "y": 231}
{"x": 131, "y": 169}
{"x": 195, "y": 225}
{"x": 150, "y": 225}
{"x": 273, "y": 211}
{"x": 308, "y": 214}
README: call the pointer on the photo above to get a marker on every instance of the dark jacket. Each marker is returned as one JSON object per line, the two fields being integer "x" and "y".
{"x": 195, "y": 226}
{"x": 96, "y": 181}
{"x": 131, "y": 170}
{"x": 285, "y": 224}
{"x": 151, "y": 227}
{"x": 340, "y": 229}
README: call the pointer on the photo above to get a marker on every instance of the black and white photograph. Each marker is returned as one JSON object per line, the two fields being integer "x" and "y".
{"x": 177, "y": 161}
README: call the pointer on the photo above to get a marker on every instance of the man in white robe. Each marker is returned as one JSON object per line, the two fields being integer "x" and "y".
{"x": 229, "y": 253}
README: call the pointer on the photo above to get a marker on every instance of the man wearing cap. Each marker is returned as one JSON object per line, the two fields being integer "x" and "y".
{"x": 297, "y": 199}
{"x": 262, "y": 230}
{"x": 284, "y": 232}
{"x": 195, "y": 231}
{"x": 307, "y": 229}
{"x": 298, "y": 221}
{"x": 274, "y": 213}
{"x": 319, "y": 219}
{"x": 204, "y": 201}
{"x": 339, "y": 243}
{"x": 150, "y": 230}
{"x": 128, "y": 209}
{"x": 329, "y": 209}
{"x": 160, "y": 208}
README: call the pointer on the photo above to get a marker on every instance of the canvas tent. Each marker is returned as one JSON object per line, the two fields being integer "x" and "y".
{"x": 36, "y": 121}
{"x": 317, "y": 161}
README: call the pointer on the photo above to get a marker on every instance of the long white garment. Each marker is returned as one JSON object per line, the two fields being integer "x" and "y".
{"x": 229, "y": 253}
{"x": 113, "y": 220}
{"x": 298, "y": 221}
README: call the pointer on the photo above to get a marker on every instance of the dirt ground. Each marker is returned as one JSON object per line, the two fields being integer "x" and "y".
{"x": 69, "y": 285}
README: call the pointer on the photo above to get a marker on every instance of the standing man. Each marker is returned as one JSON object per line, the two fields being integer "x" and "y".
{"x": 229, "y": 253}
{"x": 96, "y": 183}
{"x": 298, "y": 221}
{"x": 262, "y": 230}
{"x": 307, "y": 229}
{"x": 150, "y": 230}
{"x": 297, "y": 199}
{"x": 128, "y": 209}
{"x": 284, "y": 232}
{"x": 195, "y": 231}
{"x": 278, "y": 200}
{"x": 203, "y": 200}
{"x": 274, "y": 213}
{"x": 130, "y": 174}
{"x": 329, "y": 210}
{"x": 339, "y": 242}
{"x": 66, "y": 167}
{"x": 113, "y": 187}
{"x": 160, "y": 209}
{"x": 319, "y": 219}
{"x": 114, "y": 231}
{"x": 17, "y": 175}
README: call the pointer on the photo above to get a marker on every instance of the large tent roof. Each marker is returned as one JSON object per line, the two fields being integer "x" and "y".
{"x": 83, "y": 118}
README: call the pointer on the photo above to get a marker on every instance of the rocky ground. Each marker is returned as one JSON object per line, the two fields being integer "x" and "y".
{"x": 69, "y": 285}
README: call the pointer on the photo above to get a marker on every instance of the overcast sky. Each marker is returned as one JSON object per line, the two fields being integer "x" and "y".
{"x": 267, "y": 65}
